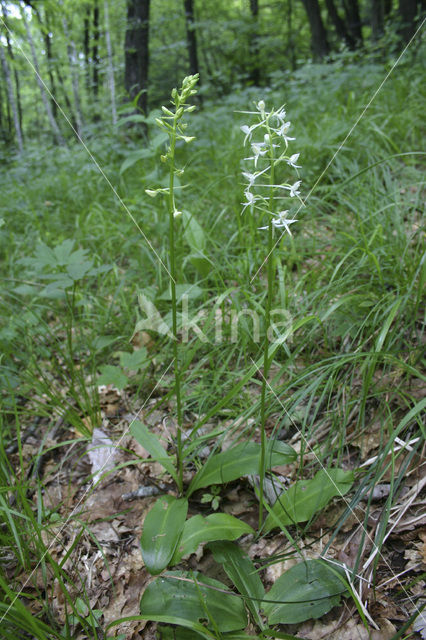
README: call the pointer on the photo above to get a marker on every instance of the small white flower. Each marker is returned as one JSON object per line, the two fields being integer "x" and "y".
{"x": 282, "y": 221}
{"x": 293, "y": 159}
{"x": 259, "y": 149}
{"x": 248, "y": 131}
{"x": 282, "y": 131}
{"x": 251, "y": 177}
{"x": 251, "y": 199}
{"x": 294, "y": 189}
{"x": 261, "y": 106}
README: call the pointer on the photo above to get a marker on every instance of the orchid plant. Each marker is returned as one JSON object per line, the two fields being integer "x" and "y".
{"x": 265, "y": 196}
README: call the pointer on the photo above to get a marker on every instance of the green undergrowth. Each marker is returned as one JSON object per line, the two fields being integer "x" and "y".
{"x": 351, "y": 279}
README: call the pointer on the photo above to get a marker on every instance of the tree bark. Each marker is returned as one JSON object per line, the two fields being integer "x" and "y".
{"x": 53, "y": 124}
{"x": 72, "y": 58}
{"x": 95, "y": 50}
{"x": 319, "y": 43}
{"x": 15, "y": 71}
{"x": 111, "y": 80}
{"x": 377, "y": 9}
{"x": 191, "y": 37}
{"x": 407, "y": 12}
{"x": 48, "y": 44}
{"x": 339, "y": 24}
{"x": 11, "y": 97}
{"x": 353, "y": 20}
{"x": 254, "y": 44}
{"x": 86, "y": 46}
{"x": 136, "y": 51}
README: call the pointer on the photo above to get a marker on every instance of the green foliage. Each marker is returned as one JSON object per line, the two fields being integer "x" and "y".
{"x": 306, "y": 497}
{"x": 177, "y": 599}
{"x": 240, "y": 460}
{"x": 162, "y": 531}
{"x": 352, "y": 278}
{"x": 307, "y": 590}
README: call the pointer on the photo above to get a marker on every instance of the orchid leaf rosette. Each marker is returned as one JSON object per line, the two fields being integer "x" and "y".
{"x": 265, "y": 192}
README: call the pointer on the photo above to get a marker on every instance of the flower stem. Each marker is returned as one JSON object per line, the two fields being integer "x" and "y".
{"x": 270, "y": 274}
{"x": 173, "y": 275}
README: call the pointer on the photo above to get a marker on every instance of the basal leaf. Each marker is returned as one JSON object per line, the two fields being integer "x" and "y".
{"x": 305, "y": 497}
{"x": 161, "y": 532}
{"x": 151, "y": 443}
{"x": 238, "y": 461}
{"x": 216, "y": 526}
{"x": 186, "y": 600}
{"x": 194, "y": 234}
{"x": 308, "y": 590}
{"x": 243, "y": 574}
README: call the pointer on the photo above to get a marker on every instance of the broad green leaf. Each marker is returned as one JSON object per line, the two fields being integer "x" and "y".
{"x": 112, "y": 375}
{"x": 180, "y": 633}
{"x": 186, "y": 600}
{"x": 308, "y": 590}
{"x": 243, "y": 574}
{"x": 151, "y": 443}
{"x": 161, "y": 532}
{"x": 133, "y": 361}
{"x": 241, "y": 460}
{"x": 216, "y": 526}
{"x": 134, "y": 157}
{"x": 194, "y": 234}
{"x": 201, "y": 263}
{"x": 305, "y": 497}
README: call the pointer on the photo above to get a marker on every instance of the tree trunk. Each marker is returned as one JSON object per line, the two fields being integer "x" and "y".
{"x": 254, "y": 44}
{"x": 137, "y": 52}
{"x": 95, "y": 50}
{"x": 319, "y": 43}
{"x": 353, "y": 20}
{"x": 53, "y": 124}
{"x": 191, "y": 37}
{"x": 339, "y": 24}
{"x": 15, "y": 71}
{"x": 407, "y": 12}
{"x": 48, "y": 44}
{"x": 377, "y": 18}
{"x": 11, "y": 97}
{"x": 111, "y": 80}
{"x": 86, "y": 47}
{"x": 72, "y": 59}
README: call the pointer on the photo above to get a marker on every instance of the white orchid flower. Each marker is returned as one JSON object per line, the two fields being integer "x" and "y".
{"x": 281, "y": 221}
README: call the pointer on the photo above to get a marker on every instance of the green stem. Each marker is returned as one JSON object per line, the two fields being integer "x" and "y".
{"x": 270, "y": 273}
{"x": 171, "y": 203}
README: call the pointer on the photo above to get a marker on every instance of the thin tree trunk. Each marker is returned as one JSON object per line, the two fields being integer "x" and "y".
{"x": 408, "y": 12}
{"x": 254, "y": 44}
{"x": 339, "y": 25}
{"x": 53, "y": 124}
{"x": 48, "y": 44}
{"x": 377, "y": 18}
{"x": 66, "y": 98}
{"x": 191, "y": 37}
{"x": 72, "y": 57}
{"x": 15, "y": 71}
{"x": 319, "y": 43}
{"x": 137, "y": 52}
{"x": 111, "y": 80}
{"x": 95, "y": 50}
{"x": 86, "y": 46}
{"x": 353, "y": 20}
{"x": 11, "y": 97}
